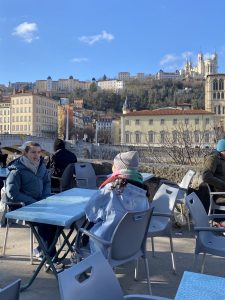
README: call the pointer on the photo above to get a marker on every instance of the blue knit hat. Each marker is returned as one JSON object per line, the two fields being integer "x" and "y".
{"x": 220, "y": 145}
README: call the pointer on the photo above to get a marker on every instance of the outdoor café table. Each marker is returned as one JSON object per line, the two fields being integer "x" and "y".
{"x": 62, "y": 210}
{"x": 4, "y": 173}
{"x": 147, "y": 176}
{"x": 201, "y": 287}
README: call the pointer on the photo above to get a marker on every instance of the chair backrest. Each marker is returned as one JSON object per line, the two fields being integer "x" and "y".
{"x": 129, "y": 237}
{"x": 187, "y": 179}
{"x": 164, "y": 199}
{"x": 100, "y": 283}
{"x": 197, "y": 211}
{"x": 85, "y": 175}
{"x": 67, "y": 179}
{"x": 11, "y": 291}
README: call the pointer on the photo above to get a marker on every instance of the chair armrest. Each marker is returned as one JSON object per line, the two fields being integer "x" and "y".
{"x": 169, "y": 182}
{"x": 158, "y": 214}
{"x": 95, "y": 237}
{"x": 15, "y": 203}
{"x": 214, "y": 216}
{"x": 217, "y": 193}
{"x": 55, "y": 177}
{"x": 212, "y": 229}
{"x": 139, "y": 297}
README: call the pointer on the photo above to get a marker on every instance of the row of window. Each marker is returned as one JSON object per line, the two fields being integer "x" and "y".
{"x": 218, "y": 84}
{"x": 162, "y": 121}
{"x": 4, "y": 120}
{"x": 21, "y": 101}
{"x": 4, "y": 127}
{"x": 4, "y": 112}
{"x": 21, "y": 127}
{"x": 21, "y": 110}
{"x": 219, "y": 110}
{"x": 163, "y": 137}
{"x": 21, "y": 119}
{"x": 218, "y": 96}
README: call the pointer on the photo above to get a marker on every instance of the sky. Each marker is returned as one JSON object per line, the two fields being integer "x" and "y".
{"x": 92, "y": 38}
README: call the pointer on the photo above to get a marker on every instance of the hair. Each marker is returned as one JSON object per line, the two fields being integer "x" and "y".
{"x": 31, "y": 144}
{"x": 58, "y": 144}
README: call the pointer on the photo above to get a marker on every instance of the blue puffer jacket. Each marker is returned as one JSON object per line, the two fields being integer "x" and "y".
{"x": 22, "y": 185}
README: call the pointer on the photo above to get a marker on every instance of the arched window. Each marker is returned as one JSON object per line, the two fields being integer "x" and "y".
{"x": 219, "y": 110}
{"x": 214, "y": 95}
{"x": 221, "y": 84}
{"x": 222, "y": 95}
{"x": 218, "y": 96}
{"x": 215, "y": 85}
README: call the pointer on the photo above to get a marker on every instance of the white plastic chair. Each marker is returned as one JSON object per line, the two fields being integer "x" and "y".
{"x": 128, "y": 241}
{"x": 11, "y": 291}
{"x": 94, "y": 279}
{"x": 183, "y": 189}
{"x": 207, "y": 238}
{"x": 86, "y": 177}
{"x": 161, "y": 223}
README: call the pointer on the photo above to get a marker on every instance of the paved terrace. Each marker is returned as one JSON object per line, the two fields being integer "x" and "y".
{"x": 164, "y": 283}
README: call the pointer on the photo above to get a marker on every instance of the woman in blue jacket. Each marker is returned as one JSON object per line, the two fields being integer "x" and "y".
{"x": 28, "y": 182}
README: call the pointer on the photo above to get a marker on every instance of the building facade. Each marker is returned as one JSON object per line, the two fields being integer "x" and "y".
{"x": 113, "y": 85}
{"x": 34, "y": 114}
{"x": 5, "y": 118}
{"x": 215, "y": 97}
{"x": 162, "y": 127}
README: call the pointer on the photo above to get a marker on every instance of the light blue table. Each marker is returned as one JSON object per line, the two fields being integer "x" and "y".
{"x": 147, "y": 176}
{"x": 62, "y": 210}
{"x": 4, "y": 173}
{"x": 197, "y": 286}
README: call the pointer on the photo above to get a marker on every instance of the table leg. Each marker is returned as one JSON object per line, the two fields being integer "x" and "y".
{"x": 46, "y": 257}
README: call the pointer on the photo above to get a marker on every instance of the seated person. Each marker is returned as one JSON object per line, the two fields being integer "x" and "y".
{"x": 28, "y": 182}
{"x": 124, "y": 191}
{"x": 214, "y": 171}
{"x": 60, "y": 160}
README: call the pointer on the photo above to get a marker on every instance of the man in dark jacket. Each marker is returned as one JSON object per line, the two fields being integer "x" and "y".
{"x": 60, "y": 160}
{"x": 214, "y": 170}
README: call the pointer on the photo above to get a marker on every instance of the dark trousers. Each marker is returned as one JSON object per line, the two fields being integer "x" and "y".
{"x": 47, "y": 233}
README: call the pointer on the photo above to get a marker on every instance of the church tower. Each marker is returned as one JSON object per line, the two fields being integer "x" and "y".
{"x": 200, "y": 66}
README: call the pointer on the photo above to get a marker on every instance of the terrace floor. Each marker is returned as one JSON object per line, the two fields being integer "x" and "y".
{"x": 16, "y": 264}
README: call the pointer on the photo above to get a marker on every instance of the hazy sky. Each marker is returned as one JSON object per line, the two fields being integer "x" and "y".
{"x": 90, "y": 38}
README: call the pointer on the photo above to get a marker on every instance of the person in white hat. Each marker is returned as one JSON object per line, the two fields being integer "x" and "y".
{"x": 124, "y": 191}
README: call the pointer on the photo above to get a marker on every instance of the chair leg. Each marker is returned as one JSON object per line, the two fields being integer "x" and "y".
{"x": 203, "y": 263}
{"x": 31, "y": 247}
{"x": 6, "y": 237}
{"x": 172, "y": 255}
{"x": 148, "y": 276}
{"x": 153, "y": 248}
{"x": 136, "y": 269}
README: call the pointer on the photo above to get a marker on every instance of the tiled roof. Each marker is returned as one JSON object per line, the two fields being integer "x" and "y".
{"x": 163, "y": 112}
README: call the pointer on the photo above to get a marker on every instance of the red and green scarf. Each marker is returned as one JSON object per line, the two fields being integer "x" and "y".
{"x": 129, "y": 174}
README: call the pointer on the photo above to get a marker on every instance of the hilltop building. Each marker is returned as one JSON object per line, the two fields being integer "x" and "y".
{"x": 205, "y": 66}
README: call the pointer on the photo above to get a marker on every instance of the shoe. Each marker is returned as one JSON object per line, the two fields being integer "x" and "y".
{"x": 38, "y": 254}
{"x": 58, "y": 266}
